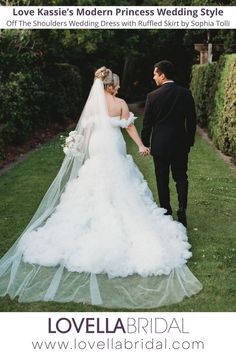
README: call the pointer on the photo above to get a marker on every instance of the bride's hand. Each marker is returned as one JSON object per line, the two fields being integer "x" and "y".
{"x": 143, "y": 150}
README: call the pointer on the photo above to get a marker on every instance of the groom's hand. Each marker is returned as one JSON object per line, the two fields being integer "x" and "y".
{"x": 144, "y": 151}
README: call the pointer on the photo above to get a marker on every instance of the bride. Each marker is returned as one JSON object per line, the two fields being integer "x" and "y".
{"x": 98, "y": 237}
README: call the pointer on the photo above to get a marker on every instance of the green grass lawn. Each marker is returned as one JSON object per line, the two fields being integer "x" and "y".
{"x": 211, "y": 221}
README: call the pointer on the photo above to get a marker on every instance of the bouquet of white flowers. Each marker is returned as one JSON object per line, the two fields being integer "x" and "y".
{"x": 73, "y": 144}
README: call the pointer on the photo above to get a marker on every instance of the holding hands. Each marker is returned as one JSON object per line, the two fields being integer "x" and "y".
{"x": 143, "y": 150}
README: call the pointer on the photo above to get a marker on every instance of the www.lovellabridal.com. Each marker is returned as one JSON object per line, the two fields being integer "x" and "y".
{"x": 120, "y": 344}
{"x": 130, "y": 333}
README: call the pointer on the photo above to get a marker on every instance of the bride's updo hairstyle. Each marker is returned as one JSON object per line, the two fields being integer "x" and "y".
{"x": 107, "y": 76}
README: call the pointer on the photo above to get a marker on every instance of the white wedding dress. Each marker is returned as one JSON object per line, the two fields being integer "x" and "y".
{"x": 106, "y": 242}
{"x": 107, "y": 222}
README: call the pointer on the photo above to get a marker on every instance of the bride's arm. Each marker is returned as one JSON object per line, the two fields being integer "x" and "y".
{"x": 132, "y": 131}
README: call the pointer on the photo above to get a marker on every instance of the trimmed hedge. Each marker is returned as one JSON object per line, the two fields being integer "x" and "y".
{"x": 225, "y": 133}
{"x": 201, "y": 86}
{"x": 214, "y": 90}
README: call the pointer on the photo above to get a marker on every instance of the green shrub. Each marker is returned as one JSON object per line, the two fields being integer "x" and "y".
{"x": 201, "y": 86}
{"x": 20, "y": 99}
{"x": 35, "y": 98}
{"x": 226, "y": 140}
{"x": 214, "y": 91}
{"x": 63, "y": 86}
{"x": 216, "y": 102}
{"x": 223, "y": 120}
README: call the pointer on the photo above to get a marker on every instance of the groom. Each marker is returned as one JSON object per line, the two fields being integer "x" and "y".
{"x": 170, "y": 122}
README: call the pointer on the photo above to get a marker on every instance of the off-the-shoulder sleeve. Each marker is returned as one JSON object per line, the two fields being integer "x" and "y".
{"x": 124, "y": 123}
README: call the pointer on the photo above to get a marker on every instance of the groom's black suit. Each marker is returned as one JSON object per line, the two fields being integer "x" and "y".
{"x": 170, "y": 122}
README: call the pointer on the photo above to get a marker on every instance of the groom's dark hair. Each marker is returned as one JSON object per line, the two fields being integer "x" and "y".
{"x": 165, "y": 67}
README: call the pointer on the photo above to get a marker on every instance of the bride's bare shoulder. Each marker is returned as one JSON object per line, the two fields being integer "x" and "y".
{"x": 120, "y": 100}
{"x": 122, "y": 103}
{"x": 124, "y": 108}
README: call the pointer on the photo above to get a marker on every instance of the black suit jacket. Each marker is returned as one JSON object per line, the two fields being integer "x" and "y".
{"x": 169, "y": 120}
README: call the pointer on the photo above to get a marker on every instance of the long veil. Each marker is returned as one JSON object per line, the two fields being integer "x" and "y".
{"x": 33, "y": 282}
